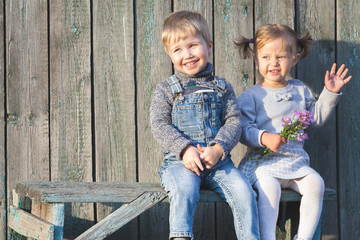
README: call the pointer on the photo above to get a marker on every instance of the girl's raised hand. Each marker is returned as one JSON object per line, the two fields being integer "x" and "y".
{"x": 335, "y": 81}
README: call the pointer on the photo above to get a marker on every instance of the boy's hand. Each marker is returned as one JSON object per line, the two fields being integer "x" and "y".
{"x": 210, "y": 155}
{"x": 273, "y": 141}
{"x": 191, "y": 159}
{"x": 334, "y": 82}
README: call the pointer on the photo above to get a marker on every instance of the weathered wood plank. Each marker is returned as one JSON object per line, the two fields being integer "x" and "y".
{"x": 114, "y": 99}
{"x": 27, "y": 139}
{"x": 318, "y": 18}
{"x": 53, "y": 213}
{"x": 63, "y": 192}
{"x": 3, "y": 211}
{"x": 268, "y": 12}
{"x": 122, "y": 216}
{"x": 84, "y": 191}
{"x": 152, "y": 66}
{"x": 232, "y": 19}
{"x": 348, "y": 116}
{"x": 70, "y": 108}
{"x": 27, "y": 91}
{"x": 29, "y": 225}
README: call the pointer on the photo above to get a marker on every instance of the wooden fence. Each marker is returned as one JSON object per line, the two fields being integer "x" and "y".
{"x": 76, "y": 79}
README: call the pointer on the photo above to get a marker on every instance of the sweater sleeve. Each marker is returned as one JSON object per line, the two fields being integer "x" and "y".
{"x": 323, "y": 107}
{"x": 160, "y": 119}
{"x": 230, "y": 132}
{"x": 251, "y": 134}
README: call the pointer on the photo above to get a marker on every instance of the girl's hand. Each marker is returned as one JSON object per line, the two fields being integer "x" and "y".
{"x": 191, "y": 159}
{"x": 273, "y": 141}
{"x": 210, "y": 155}
{"x": 334, "y": 82}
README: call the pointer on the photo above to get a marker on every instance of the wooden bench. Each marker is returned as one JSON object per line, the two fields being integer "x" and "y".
{"x": 37, "y": 209}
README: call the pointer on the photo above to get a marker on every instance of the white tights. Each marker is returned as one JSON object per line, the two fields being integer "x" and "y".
{"x": 311, "y": 187}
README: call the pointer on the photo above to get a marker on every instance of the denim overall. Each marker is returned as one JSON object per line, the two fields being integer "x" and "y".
{"x": 198, "y": 116}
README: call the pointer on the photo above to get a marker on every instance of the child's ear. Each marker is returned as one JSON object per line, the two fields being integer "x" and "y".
{"x": 296, "y": 59}
{"x": 210, "y": 47}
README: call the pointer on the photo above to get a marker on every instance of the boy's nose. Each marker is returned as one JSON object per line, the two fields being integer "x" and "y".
{"x": 188, "y": 54}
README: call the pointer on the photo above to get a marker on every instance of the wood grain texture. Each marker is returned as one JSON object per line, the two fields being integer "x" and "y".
{"x": 3, "y": 193}
{"x": 348, "y": 116}
{"x": 27, "y": 91}
{"x": 27, "y": 139}
{"x": 321, "y": 145}
{"x": 114, "y": 99}
{"x": 53, "y": 213}
{"x": 152, "y": 66}
{"x": 70, "y": 102}
{"x": 29, "y": 225}
{"x": 271, "y": 12}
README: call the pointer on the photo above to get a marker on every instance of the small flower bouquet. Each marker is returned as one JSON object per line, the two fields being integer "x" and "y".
{"x": 292, "y": 129}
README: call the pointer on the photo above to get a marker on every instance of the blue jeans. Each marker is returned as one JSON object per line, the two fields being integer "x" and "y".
{"x": 183, "y": 185}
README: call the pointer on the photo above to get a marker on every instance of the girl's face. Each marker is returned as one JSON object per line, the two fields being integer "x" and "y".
{"x": 190, "y": 55}
{"x": 275, "y": 61}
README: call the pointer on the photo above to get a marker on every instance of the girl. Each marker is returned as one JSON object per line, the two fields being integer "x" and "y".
{"x": 276, "y": 50}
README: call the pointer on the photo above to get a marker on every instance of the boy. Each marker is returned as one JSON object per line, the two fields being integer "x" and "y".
{"x": 195, "y": 117}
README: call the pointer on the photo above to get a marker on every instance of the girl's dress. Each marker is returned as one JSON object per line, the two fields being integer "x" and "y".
{"x": 262, "y": 109}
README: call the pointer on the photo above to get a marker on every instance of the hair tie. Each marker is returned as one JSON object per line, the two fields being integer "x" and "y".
{"x": 251, "y": 40}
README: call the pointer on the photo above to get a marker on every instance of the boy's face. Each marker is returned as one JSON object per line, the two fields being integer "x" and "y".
{"x": 189, "y": 55}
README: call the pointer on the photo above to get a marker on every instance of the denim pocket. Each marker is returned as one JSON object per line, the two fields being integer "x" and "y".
{"x": 190, "y": 119}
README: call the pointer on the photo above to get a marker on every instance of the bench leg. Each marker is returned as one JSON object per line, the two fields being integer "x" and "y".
{"x": 24, "y": 225}
{"x": 53, "y": 213}
{"x": 123, "y": 215}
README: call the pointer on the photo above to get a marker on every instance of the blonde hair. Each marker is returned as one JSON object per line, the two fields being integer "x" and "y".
{"x": 178, "y": 25}
{"x": 266, "y": 33}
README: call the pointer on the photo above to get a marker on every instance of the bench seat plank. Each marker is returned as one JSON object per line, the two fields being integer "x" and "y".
{"x": 91, "y": 192}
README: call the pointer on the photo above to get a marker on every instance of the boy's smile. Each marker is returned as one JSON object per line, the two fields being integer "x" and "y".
{"x": 189, "y": 55}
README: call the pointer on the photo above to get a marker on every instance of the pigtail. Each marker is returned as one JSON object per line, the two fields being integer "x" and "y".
{"x": 304, "y": 45}
{"x": 243, "y": 45}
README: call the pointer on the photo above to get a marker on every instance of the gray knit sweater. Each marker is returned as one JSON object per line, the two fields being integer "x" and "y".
{"x": 175, "y": 141}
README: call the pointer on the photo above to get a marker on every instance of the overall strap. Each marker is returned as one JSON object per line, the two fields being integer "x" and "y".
{"x": 174, "y": 85}
{"x": 219, "y": 82}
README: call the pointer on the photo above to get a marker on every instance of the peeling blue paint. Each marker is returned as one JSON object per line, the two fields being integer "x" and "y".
{"x": 75, "y": 29}
{"x": 245, "y": 11}
{"x": 245, "y": 79}
{"x": 226, "y": 11}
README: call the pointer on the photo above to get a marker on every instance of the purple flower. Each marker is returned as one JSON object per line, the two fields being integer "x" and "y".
{"x": 286, "y": 120}
{"x": 302, "y": 136}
